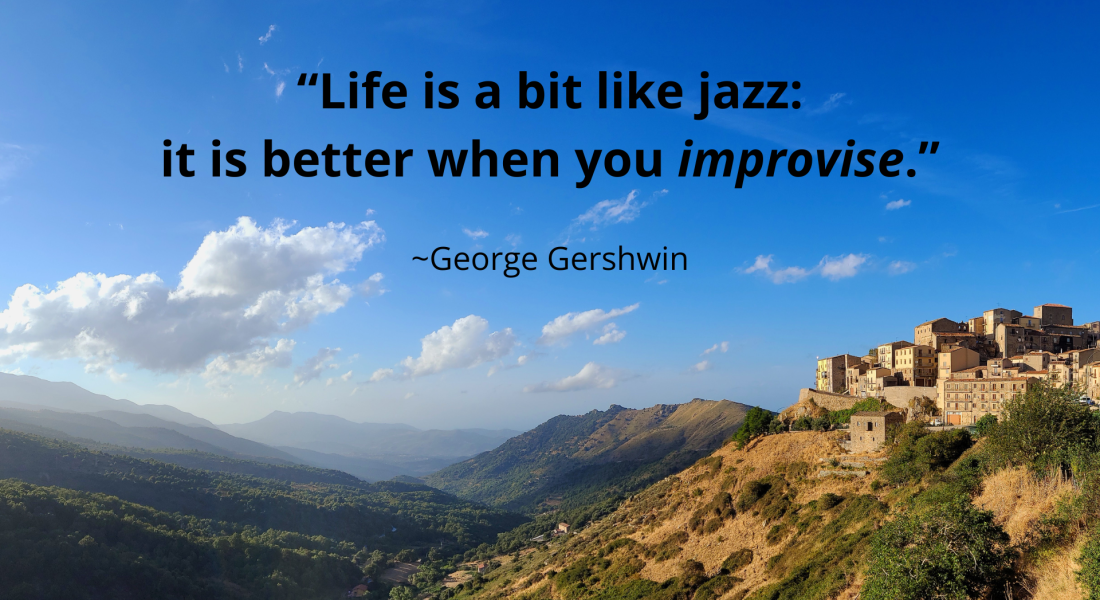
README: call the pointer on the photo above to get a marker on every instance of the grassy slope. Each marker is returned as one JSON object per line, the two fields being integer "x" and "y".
{"x": 800, "y": 547}
{"x": 586, "y": 458}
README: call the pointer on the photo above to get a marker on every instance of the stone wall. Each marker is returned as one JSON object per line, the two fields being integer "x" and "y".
{"x": 828, "y": 400}
{"x": 900, "y": 395}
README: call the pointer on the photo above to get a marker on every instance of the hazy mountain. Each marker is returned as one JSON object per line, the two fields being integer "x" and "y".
{"x": 373, "y": 468}
{"x": 333, "y": 435}
{"x": 575, "y": 460}
{"x": 25, "y": 391}
{"x": 148, "y": 432}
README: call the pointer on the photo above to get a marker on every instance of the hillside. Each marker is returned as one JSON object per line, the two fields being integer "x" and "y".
{"x": 331, "y": 504}
{"x": 794, "y": 517}
{"x": 571, "y": 461}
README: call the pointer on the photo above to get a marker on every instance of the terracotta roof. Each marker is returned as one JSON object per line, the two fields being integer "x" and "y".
{"x": 956, "y": 333}
{"x": 1055, "y": 305}
{"x": 933, "y": 321}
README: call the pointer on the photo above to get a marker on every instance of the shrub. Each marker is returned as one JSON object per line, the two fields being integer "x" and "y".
{"x": 751, "y": 492}
{"x": 1046, "y": 424}
{"x": 1089, "y": 575}
{"x": 916, "y": 451}
{"x": 737, "y": 561}
{"x": 952, "y": 551}
{"x": 985, "y": 425}
{"x": 717, "y": 510}
{"x": 829, "y": 500}
{"x": 757, "y": 422}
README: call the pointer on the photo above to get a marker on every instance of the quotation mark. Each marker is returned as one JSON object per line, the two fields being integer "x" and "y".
{"x": 923, "y": 148}
{"x": 313, "y": 81}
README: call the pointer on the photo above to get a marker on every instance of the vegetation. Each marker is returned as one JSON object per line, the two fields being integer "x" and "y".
{"x": 757, "y": 422}
{"x": 985, "y": 425}
{"x": 916, "y": 452}
{"x": 948, "y": 551}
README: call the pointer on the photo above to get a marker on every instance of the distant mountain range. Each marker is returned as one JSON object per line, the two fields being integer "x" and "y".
{"x": 571, "y": 461}
{"x": 370, "y": 451}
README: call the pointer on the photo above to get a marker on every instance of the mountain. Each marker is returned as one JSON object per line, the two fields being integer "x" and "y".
{"x": 25, "y": 391}
{"x": 145, "y": 431}
{"x": 334, "y": 435}
{"x": 372, "y": 451}
{"x": 571, "y": 461}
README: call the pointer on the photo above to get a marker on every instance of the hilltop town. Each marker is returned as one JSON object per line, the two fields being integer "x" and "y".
{"x": 969, "y": 369}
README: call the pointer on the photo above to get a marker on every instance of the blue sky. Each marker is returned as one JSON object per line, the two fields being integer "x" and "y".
{"x": 285, "y": 310}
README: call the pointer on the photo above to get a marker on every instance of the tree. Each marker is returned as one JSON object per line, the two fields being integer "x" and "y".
{"x": 985, "y": 425}
{"x": 951, "y": 551}
{"x": 1045, "y": 423}
{"x": 402, "y": 593}
{"x": 757, "y": 422}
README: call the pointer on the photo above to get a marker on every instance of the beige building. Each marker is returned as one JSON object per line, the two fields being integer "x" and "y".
{"x": 1090, "y": 380}
{"x": 873, "y": 383}
{"x": 953, "y": 361}
{"x": 832, "y": 372}
{"x": 976, "y": 325}
{"x": 854, "y": 372}
{"x": 867, "y": 429}
{"x": 916, "y": 366}
{"x": 886, "y": 353}
{"x": 993, "y": 317}
{"x": 968, "y": 395}
{"x": 922, "y": 334}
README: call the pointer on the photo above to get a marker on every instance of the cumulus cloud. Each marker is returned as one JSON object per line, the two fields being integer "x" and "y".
{"x": 896, "y": 204}
{"x": 243, "y": 286}
{"x": 591, "y": 376}
{"x": 462, "y": 345}
{"x": 372, "y": 286}
{"x": 900, "y": 267}
{"x": 701, "y": 366}
{"x": 720, "y": 347}
{"x": 253, "y": 362}
{"x": 475, "y": 234}
{"x": 570, "y": 323}
{"x": 315, "y": 366}
{"x": 611, "y": 335}
{"x": 267, "y": 36}
{"x": 833, "y": 268}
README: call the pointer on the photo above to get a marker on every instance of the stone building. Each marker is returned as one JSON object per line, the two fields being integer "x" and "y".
{"x": 867, "y": 429}
{"x": 832, "y": 372}
{"x": 922, "y": 334}
{"x": 886, "y": 353}
{"x": 916, "y": 366}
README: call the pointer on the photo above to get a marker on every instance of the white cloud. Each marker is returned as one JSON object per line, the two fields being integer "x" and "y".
{"x": 831, "y": 103}
{"x": 267, "y": 36}
{"x": 591, "y": 376}
{"x": 243, "y": 286}
{"x": 268, "y": 69}
{"x": 381, "y": 375}
{"x": 832, "y": 268}
{"x": 899, "y": 267}
{"x": 841, "y": 267}
{"x": 240, "y": 64}
{"x": 475, "y": 235}
{"x": 13, "y": 158}
{"x": 372, "y": 286}
{"x": 520, "y": 361}
{"x": 253, "y": 362}
{"x": 701, "y": 366}
{"x": 226, "y": 65}
{"x": 462, "y": 345}
{"x": 611, "y": 212}
{"x": 279, "y": 89}
{"x": 513, "y": 239}
{"x": 566, "y": 325}
{"x": 896, "y": 204}
{"x": 315, "y": 366}
{"x": 346, "y": 376}
{"x": 611, "y": 335}
{"x": 720, "y": 347}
